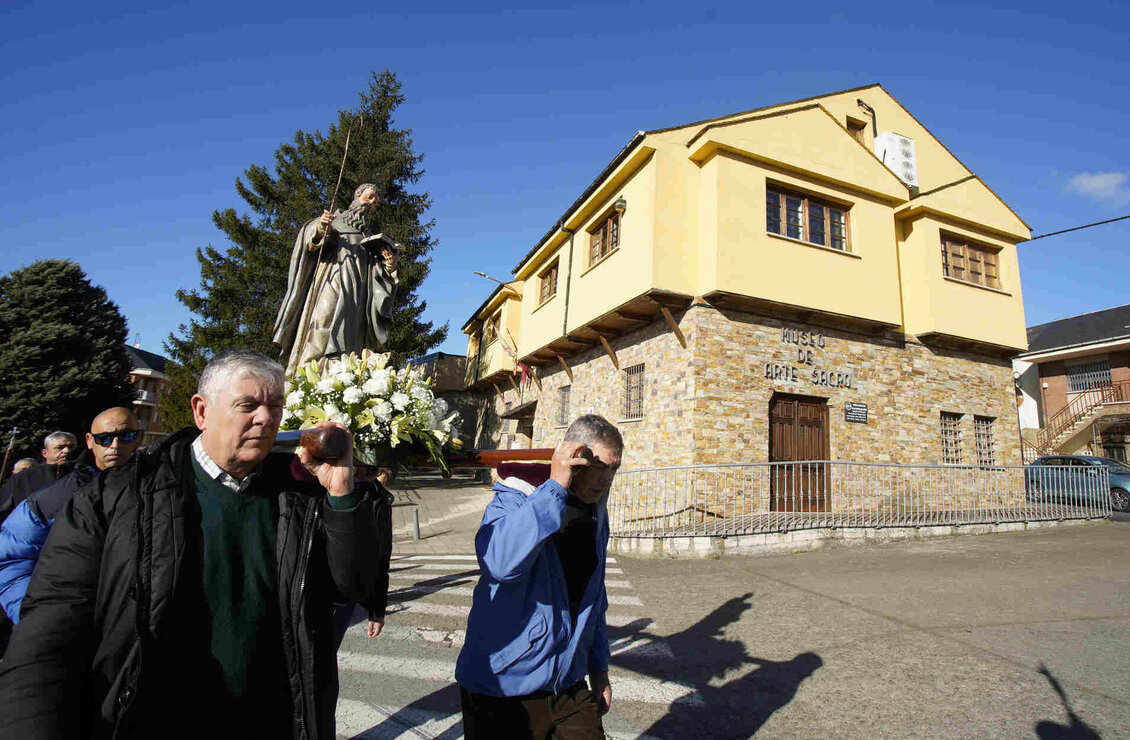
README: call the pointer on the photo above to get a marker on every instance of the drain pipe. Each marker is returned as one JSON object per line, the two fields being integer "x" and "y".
{"x": 874, "y": 118}
{"x": 568, "y": 278}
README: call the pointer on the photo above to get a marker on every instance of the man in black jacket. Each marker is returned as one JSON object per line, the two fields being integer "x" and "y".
{"x": 189, "y": 593}
{"x": 56, "y": 447}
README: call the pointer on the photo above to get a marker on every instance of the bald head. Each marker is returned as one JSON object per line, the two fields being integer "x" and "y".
{"x": 114, "y": 435}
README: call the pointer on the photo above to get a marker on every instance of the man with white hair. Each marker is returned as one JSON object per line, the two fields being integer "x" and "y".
{"x": 189, "y": 593}
{"x": 57, "y": 446}
{"x": 23, "y": 464}
{"x": 340, "y": 288}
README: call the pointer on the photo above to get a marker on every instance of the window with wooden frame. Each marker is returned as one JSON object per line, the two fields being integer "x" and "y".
{"x": 803, "y": 217}
{"x": 548, "y": 285}
{"x": 951, "y": 438}
{"x": 633, "y": 392}
{"x": 563, "y": 394}
{"x": 858, "y": 129}
{"x": 970, "y": 263}
{"x": 983, "y": 436}
{"x": 491, "y": 328}
{"x": 604, "y": 237}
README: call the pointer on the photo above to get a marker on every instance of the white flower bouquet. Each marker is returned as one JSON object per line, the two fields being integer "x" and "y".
{"x": 382, "y": 406}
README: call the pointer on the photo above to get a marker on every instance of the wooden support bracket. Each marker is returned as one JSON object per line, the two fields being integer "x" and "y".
{"x": 536, "y": 379}
{"x": 515, "y": 384}
{"x": 640, "y": 318}
{"x": 565, "y": 367}
{"x": 611, "y": 354}
{"x": 674, "y": 326}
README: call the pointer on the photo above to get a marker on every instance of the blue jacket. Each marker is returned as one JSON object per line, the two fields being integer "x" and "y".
{"x": 25, "y": 530}
{"x": 520, "y": 636}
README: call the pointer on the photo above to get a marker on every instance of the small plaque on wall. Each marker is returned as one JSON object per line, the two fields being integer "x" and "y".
{"x": 855, "y": 413}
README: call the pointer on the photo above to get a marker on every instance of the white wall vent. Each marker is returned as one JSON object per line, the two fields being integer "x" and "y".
{"x": 897, "y": 152}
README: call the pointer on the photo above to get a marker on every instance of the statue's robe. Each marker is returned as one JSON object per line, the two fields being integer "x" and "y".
{"x": 337, "y": 303}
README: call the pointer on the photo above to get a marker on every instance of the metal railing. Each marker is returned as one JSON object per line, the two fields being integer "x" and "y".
{"x": 1078, "y": 408}
{"x": 755, "y": 498}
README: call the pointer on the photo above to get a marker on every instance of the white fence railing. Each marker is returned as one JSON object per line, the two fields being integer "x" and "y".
{"x": 779, "y": 497}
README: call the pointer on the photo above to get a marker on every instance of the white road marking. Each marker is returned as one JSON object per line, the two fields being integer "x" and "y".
{"x": 645, "y": 647}
{"x": 395, "y": 631}
{"x": 400, "y": 593}
{"x": 408, "y": 575}
{"x": 624, "y": 600}
{"x": 625, "y": 688}
{"x": 366, "y": 721}
{"x": 437, "y": 566}
{"x": 454, "y": 610}
{"x": 435, "y": 557}
{"x": 614, "y": 571}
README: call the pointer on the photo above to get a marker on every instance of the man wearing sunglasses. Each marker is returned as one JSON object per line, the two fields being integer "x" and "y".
{"x": 112, "y": 438}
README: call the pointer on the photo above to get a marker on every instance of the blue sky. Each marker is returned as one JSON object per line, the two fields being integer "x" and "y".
{"x": 123, "y": 128}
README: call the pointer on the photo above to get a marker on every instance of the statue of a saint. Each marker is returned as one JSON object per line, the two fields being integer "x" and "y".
{"x": 341, "y": 286}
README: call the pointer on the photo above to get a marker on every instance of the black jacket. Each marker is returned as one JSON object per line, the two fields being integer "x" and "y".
{"x": 23, "y": 484}
{"x": 109, "y": 643}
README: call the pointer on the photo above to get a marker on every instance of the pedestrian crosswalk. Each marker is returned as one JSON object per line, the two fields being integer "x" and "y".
{"x": 401, "y": 685}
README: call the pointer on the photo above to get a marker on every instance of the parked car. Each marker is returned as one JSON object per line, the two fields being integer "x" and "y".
{"x": 1064, "y": 478}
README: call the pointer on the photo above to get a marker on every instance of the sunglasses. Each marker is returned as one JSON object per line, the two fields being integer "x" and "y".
{"x": 105, "y": 439}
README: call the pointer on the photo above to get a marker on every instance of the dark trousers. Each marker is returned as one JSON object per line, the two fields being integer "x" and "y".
{"x": 570, "y": 715}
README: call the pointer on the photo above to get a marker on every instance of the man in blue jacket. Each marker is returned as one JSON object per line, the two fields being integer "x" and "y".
{"x": 112, "y": 438}
{"x": 537, "y": 623}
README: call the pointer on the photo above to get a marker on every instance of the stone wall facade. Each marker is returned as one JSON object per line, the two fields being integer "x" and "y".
{"x": 708, "y": 403}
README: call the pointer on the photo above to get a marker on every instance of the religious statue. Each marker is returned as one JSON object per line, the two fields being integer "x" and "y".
{"x": 341, "y": 286}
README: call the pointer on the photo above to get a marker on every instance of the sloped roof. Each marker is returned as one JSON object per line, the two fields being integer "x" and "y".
{"x": 1098, "y": 326}
{"x": 146, "y": 360}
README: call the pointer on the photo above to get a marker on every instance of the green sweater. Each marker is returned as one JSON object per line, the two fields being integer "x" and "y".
{"x": 240, "y": 588}
{"x": 240, "y": 596}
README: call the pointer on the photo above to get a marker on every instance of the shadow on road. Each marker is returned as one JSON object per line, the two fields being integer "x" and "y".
{"x": 1076, "y": 730}
{"x": 702, "y": 657}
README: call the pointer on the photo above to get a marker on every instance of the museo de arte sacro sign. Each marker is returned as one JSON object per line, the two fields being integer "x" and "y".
{"x": 806, "y": 348}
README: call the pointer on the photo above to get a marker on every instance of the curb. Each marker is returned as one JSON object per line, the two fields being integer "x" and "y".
{"x": 806, "y": 540}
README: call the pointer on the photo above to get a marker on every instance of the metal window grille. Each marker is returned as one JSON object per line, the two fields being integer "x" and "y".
{"x": 983, "y": 435}
{"x": 563, "y": 404}
{"x": 1088, "y": 376}
{"x": 633, "y": 392}
{"x": 951, "y": 438}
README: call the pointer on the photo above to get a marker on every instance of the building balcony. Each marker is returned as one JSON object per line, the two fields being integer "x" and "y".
{"x": 146, "y": 398}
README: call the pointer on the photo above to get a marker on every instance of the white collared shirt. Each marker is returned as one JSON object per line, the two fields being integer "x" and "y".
{"x": 215, "y": 471}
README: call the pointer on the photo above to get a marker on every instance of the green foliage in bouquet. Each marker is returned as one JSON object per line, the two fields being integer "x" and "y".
{"x": 383, "y": 407}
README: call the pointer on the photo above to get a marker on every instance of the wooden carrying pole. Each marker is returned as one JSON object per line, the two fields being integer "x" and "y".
{"x": 330, "y": 443}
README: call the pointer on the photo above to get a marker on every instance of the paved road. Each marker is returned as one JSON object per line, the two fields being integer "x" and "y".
{"x": 933, "y": 639}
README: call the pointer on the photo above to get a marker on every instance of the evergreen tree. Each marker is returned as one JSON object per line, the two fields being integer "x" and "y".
{"x": 62, "y": 353}
{"x": 241, "y": 289}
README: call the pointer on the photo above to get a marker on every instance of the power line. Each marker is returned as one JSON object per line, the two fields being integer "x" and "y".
{"x": 1077, "y": 228}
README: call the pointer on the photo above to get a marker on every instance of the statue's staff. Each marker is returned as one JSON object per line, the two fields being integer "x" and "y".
{"x": 340, "y": 172}
{"x": 7, "y": 452}
{"x": 305, "y": 324}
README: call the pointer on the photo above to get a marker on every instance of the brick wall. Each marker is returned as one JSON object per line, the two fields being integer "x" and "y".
{"x": 709, "y": 402}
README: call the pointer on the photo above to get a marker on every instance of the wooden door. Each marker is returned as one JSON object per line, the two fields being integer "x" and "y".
{"x": 798, "y": 433}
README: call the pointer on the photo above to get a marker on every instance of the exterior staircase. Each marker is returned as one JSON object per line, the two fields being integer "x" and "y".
{"x": 1065, "y": 428}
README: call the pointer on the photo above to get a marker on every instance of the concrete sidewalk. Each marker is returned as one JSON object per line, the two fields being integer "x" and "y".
{"x": 450, "y": 511}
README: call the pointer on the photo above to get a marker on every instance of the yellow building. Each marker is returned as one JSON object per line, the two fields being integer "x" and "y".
{"x": 820, "y": 279}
